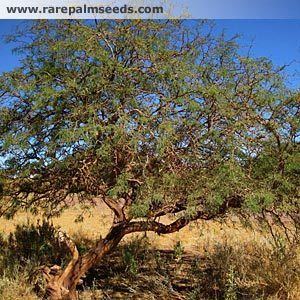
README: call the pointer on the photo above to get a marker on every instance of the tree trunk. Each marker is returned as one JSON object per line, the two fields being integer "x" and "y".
{"x": 61, "y": 284}
{"x": 57, "y": 290}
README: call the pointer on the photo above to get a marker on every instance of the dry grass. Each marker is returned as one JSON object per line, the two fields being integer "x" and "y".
{"x": 196, "y": 237}
{"x": 212, "y": 261}
{"x": 16, "y": 289}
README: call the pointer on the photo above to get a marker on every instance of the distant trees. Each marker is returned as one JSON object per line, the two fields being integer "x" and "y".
{"x": 150, "y": 117}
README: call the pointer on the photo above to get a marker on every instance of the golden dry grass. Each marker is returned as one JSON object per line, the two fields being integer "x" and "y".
{"x": 196, "y": 237}
{"x": 224, "y": 247}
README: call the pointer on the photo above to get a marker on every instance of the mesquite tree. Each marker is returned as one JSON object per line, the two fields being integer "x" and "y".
{"x": 152, "y": 118}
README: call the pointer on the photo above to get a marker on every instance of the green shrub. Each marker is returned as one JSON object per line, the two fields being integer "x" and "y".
{"x": 178, "y": 251}
{"x": 134, "y": 253}
{"x": 32, "y": 245}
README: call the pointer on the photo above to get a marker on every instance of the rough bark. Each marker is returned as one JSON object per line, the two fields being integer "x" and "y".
{"x": 61, "y": 284}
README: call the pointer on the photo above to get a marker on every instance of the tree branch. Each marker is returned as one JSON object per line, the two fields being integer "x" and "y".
{"x": 160, "y": 228}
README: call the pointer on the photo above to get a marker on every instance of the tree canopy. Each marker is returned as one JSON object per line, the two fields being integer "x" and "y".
{"x": 154, "y": 117}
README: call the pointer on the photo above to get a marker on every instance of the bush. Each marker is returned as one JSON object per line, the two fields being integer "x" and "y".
{"x": 32, "y": 244}
{"x": 23, "y": 253}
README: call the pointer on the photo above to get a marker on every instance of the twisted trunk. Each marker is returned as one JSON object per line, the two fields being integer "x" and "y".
{"x": 61, "y": 284}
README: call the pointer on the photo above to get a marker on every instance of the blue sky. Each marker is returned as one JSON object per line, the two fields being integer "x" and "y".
{"x": 244, "y": 9}
{"x": 278, "y": 40}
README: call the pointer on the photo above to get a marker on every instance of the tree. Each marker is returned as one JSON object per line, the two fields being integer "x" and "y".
{"x": 152, "y": 118}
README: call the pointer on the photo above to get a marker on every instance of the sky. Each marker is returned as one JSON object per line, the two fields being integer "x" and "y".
{"x": 244, "y": 9}
{"x": 278, "y": 40}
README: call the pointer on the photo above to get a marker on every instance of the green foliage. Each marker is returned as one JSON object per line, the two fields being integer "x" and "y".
{"x": 230, "y": 293}
{"x": 160, "y": 114}
{"x": 178, "y": 251}
{"x": 139, "y": 209}
{"x": 260, "y": 200}
{"x": 133, "y": 254}
{"x": 130, "y": 261}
